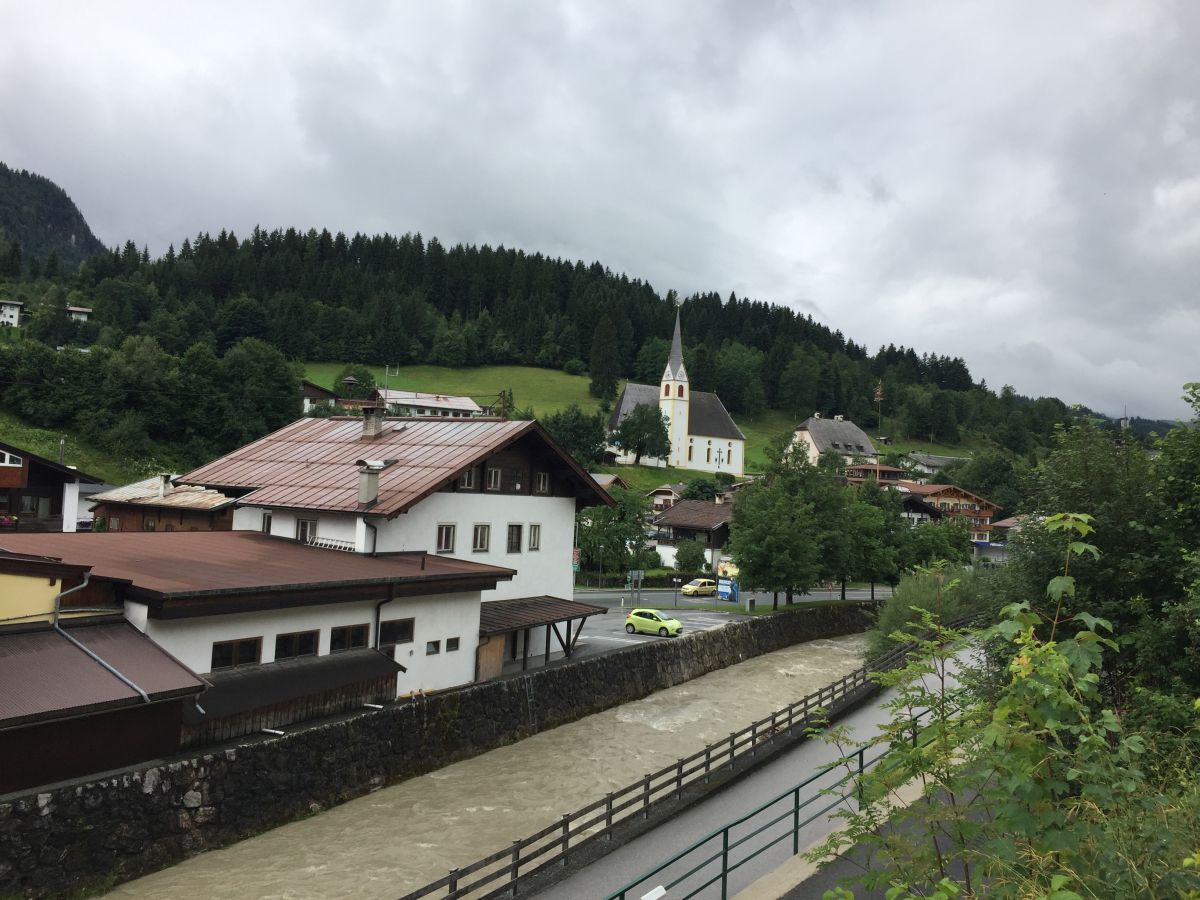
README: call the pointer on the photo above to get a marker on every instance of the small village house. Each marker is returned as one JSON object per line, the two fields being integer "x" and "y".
{"x": 816, "y": 436}
{"x": 39, "y": 494}
{"x": 312, "y": 394}
{"x": 688, "y": 520}
{"x": 158, "y": 504}
{"x": 10, "y": 313}
{"x": 417, "y": 403}
{"x": 972, "y": 511}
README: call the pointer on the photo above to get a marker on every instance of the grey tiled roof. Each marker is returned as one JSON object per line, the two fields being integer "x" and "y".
{"x": 842, "y": 437}
{"x": 707, "y": 416}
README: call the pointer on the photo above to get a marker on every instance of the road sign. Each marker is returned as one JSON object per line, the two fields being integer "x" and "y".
{"x": 576, "y": 556}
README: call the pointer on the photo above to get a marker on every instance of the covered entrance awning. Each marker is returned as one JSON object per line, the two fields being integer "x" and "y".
{"x": 523, "y": 614}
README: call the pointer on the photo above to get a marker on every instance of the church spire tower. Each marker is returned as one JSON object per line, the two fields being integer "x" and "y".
{"x": 673, "y": 399}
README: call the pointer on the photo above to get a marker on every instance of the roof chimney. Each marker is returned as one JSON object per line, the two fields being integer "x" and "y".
{"x": 372, "y": 421}
{"x": 368, "y": 480}
{"x": 164, "y": 483}
{"x": 816, "y": 415}
{"x": 839, "y": 418}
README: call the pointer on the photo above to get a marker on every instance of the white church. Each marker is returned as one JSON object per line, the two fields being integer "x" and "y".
{"x": 703, "y": 435}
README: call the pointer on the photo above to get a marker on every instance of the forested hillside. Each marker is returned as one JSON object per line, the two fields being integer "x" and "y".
{"x": 40, "y": 228}
{"x": 385, "y": 299}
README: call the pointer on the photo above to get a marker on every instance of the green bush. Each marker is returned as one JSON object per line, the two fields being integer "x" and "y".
{"x": 689, "y": 557}
{"x": 964, "y": 591}
{"x": 575, "y": 367}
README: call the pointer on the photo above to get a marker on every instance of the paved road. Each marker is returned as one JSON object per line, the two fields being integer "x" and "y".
{"x": 623, "y": 865}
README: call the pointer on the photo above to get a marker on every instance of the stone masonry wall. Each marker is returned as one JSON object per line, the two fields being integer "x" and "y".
{"x": 82, "y": 836}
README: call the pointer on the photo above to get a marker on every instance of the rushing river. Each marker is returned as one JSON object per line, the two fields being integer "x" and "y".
{"x": 399, "y": 838}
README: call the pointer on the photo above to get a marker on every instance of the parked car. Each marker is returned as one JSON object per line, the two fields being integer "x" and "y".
{"x": 699, "y": 587}
{"x": 651, "y": 621}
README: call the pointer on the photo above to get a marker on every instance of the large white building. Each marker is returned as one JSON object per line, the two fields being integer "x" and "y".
{"x": 486, "y": 491}
{"x": 702, "y": 433}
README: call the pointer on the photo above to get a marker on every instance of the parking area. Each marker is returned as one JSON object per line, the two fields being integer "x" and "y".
{"x": 604, "y": 634}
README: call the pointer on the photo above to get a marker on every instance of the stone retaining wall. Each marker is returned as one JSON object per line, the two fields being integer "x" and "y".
{"x": 84, "y": 835}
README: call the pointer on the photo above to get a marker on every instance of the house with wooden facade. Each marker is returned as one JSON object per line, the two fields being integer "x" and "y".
{"x": 158, "y": 504}
{"x": 688, "y": 520}
{"x": 495, "y": 492}
{"x": 972, "y": 511}
{"x": 39, "y": 494}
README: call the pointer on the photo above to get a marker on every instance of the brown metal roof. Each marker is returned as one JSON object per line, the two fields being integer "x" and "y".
{"x": 175, "y": 564}
{"x": 931, "y": 490}
{"x": 43, "y": 675}
{"x": 312, "y": 463}
{"x": 500, "y": 616}
{"x": 701, "y": 515}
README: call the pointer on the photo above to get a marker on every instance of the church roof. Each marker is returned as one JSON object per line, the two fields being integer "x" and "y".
{"x": 707, "y": 416}
{"x": 675, "y": 361}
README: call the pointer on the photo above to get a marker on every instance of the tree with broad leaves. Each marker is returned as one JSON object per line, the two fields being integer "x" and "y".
{"x": 643, "y": 433}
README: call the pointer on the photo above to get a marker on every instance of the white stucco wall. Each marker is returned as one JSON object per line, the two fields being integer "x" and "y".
{"x": 436, "y": 618}
{"x": 541, "y": 572}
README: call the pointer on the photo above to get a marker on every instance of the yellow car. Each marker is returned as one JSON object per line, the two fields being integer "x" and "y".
{"x": 651, "y": 621}
{"x": 699, "y": 586}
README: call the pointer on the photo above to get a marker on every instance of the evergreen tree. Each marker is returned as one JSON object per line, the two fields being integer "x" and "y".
{"x": 605, "y": 367}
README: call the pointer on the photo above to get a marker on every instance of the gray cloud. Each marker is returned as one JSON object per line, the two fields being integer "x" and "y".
{"x": 1015, "y": 183}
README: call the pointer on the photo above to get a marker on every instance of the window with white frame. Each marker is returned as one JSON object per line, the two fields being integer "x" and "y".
{"x": 445, "y": 538}
{"x": 306, "y": 530}
{"x": 535, "y": 537}
{"x": 9, "y": 459}
{"x": 467, "y": 480}
{"x": 266, "y": 522}
{"x": 541, "y": 482}
{"x": 481, "y": 536}
{"x": 493, "y": 482}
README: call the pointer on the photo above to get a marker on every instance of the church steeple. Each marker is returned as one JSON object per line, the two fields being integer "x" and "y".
{"x": 674, "y": 397}
{"x": 675, "y": 370}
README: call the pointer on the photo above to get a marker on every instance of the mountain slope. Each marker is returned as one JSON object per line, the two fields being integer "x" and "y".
{"x": 39, "y": 216}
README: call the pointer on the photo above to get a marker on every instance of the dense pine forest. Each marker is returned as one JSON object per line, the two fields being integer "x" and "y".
{"x": 385, "y": 299}
{"x": 154, "y": 375}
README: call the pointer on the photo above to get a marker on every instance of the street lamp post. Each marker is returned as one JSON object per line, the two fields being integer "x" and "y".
{"x": 601, "y": 567}
{"x": 675, "y": 602}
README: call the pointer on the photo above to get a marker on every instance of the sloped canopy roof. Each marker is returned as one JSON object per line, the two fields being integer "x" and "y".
{"x": 501, "y": 616}
{"x": 313, "y": 463}
{"x": 46, "y": 676}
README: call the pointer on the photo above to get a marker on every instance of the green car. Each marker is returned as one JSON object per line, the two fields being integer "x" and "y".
{"x": 651, "y": 621}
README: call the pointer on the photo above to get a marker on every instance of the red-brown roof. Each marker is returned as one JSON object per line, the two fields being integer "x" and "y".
{"x": 500, "y": 616}
{"x": 313, "y": 463}
{"x": 701, "y": 515}
{"x": 176, "y": 564}
{"x": 928, "y": 490}
{"x": 44, "y": 675}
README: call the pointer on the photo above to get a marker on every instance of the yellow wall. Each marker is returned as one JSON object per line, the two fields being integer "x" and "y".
{"x": 27, "y": 598}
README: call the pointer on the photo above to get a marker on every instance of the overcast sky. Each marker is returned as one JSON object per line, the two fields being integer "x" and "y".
{"x": 1016, "y": 183}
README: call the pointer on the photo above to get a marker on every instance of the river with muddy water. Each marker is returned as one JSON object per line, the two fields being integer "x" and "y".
{"x": 390, "y": 842}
